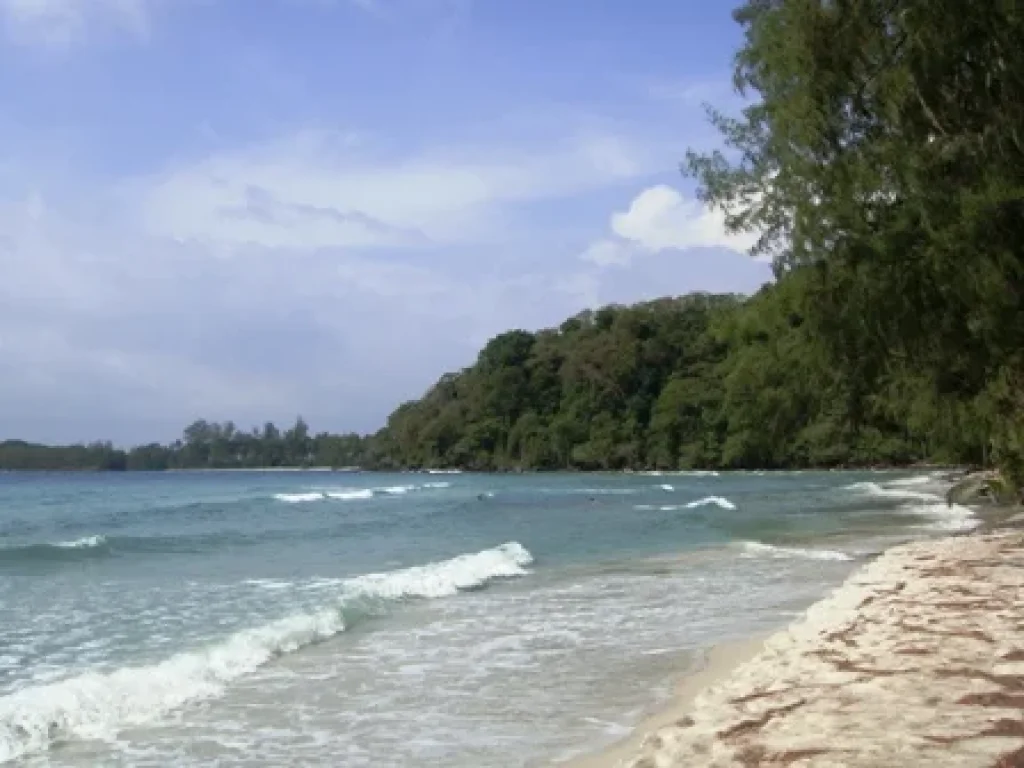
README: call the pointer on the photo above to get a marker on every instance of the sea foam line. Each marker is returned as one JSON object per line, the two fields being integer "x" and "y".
{"x": 98, "y": 705}
{"x": 355, "y": 494}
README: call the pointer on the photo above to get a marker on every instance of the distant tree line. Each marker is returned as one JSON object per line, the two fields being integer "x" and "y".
{"x": 203, "y": 445}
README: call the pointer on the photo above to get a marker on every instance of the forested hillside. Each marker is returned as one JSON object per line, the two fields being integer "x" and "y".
{"x": 696, "y": 382}
{"x": 881, "y": 160}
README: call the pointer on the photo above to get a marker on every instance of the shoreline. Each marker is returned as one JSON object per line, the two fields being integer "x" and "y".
{"x": 952, "y": 469}
{"x": 916, "y": 660}
{"x": 718, "y": 662}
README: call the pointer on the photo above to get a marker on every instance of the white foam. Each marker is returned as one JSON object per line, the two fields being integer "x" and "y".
{"x": 269, "y": 584}
{"x": 448, "y": 577}
{"x": 352, "y": 495}
{"x": 945, "y": 517}
{"x": 887, "y": 491}
{"x": 757, "y": 548}
{"x": 86, "y": 542}
{"x": 913, "y": 480}
{"x": 299, "y": 498}
{"x": 397, "y": 490}
{"x": 98, "y": 705}
{"x": 666, "y": 487}
{"x": 718, "y": 501}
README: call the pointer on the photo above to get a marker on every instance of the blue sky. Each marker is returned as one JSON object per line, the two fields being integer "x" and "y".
{"x": 252, "y": 209}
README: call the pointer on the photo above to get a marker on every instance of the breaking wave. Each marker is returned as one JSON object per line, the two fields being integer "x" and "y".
{"x": 355, "y": 494}
{"x": 99, "y": 704}
{"x": 85, "y": 547}
{"x": 944, "y": 517}
{"x": 86, "y": 542}
{"x": 718, "y": 501}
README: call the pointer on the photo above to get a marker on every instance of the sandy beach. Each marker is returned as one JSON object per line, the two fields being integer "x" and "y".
{"x": 917, "y": 660}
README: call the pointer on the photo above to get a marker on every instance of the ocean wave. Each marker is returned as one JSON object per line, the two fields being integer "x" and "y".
{"x": 299, "y": 498}
{"x": 944, "y": 516}
{"x": 355, "y": 494}
{"x": 77, "y": 549}
{"x": 718, "y": 501}
{"x": 98, "y": 705}
{"x": 912, "y": 480}
{"x": 889, "y": 491}
{"x": 759, "y": 549}
{"x": 86, "y": 542}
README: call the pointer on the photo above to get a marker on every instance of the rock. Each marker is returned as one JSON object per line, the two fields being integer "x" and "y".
{"x": 976, "y": 488}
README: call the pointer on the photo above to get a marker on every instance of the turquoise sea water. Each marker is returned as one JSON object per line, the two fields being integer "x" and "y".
{"x": 272, "y": 618}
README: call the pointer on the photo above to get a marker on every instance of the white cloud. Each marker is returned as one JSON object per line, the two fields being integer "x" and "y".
{"x": 606, "y": 253}
{"x": 661, "y": 219}
{"x": 60, "y": 23}
{"x": 309, "y": 191}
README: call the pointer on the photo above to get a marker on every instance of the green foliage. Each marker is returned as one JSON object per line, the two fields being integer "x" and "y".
{"x": 882, "y": 158}
{"x": 694, "y": 382}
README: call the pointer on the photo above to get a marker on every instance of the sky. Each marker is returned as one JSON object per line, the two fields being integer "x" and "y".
{"x": 255, "y": 209}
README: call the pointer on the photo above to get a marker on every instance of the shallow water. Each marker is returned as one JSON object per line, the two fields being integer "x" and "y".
{"x": 260, "y": 619}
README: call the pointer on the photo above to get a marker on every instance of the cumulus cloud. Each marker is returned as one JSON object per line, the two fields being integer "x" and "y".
{"x": 660, "y": 218}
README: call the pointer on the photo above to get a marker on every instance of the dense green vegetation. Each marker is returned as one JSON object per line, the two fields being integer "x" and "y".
{"x": 203, "y": 445}
{"x": 881, "y": 158}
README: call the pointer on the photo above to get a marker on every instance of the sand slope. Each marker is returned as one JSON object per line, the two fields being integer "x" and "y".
{"x": 917, "y": 660}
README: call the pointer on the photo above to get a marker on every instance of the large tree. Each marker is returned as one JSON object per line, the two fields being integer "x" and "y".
{"x": 882, "y": 154}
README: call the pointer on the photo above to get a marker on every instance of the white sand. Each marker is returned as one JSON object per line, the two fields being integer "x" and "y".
{"x": 916, "y": 661}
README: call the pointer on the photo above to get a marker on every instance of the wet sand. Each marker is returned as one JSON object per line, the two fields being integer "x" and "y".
{"x": 719, "y": 661}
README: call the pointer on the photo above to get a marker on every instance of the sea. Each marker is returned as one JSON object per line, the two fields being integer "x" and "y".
{"x": 419, "y": 619}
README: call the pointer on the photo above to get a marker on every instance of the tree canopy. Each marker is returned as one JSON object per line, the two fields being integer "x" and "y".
{"x": 881, "y": 156}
